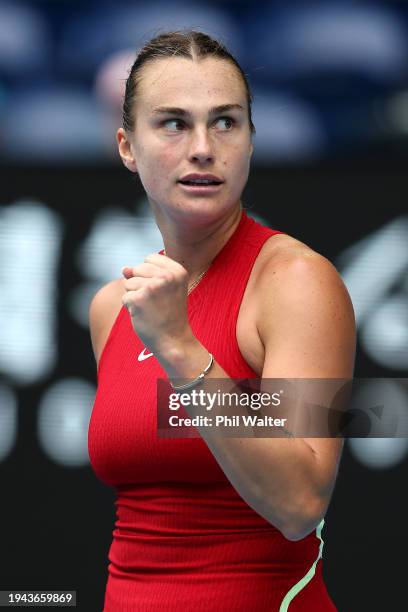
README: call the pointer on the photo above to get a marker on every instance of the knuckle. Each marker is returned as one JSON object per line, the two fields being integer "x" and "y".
{"x": 132, "y": 284}
{"x": 159, "y": 281}
{"x": 132, "y": 300}
{"x": 137, "y": 297}
{"x": 169, "y": 277}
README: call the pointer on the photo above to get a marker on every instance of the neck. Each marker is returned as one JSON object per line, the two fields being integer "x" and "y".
{"x": 196, "y": 247}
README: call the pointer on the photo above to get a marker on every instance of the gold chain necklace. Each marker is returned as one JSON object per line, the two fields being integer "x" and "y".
{"x": 195, "y": 281}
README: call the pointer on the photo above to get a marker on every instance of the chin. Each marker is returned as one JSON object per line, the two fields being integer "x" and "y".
{"x": 201, "y": 213}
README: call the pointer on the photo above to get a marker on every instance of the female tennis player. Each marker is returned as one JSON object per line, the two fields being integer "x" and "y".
{"x": 210, "y": 523}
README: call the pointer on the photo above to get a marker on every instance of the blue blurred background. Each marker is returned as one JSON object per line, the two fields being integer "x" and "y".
{"x": 330, "y": 86}
{"x": 327, "y": 77}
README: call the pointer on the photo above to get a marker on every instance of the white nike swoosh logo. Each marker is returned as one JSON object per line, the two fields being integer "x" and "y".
{"x": 144, "y": 355}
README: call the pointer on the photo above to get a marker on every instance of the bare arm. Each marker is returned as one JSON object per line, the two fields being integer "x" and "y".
{"x": 306, "y": 323}
{"x": 103, "y": 310}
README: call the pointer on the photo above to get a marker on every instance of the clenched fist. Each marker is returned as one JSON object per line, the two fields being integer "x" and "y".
{"x": 156, "y": 298}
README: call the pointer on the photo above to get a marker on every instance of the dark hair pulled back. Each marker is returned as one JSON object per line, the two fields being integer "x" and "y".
{"x": 190, "y": 44}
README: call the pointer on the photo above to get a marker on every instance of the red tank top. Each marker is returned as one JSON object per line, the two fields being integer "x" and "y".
{"x": 184, "y": 539}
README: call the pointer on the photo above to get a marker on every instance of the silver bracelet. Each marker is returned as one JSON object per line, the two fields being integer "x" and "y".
{"x": 197, "y": 380}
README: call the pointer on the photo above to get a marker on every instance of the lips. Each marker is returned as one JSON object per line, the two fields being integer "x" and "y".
{"x": 200, "y": 179}
{"x": 200, "y": 189}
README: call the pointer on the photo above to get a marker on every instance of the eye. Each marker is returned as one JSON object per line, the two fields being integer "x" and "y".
{"x": 167, "y": 123}
{"x": 229, "y": 121}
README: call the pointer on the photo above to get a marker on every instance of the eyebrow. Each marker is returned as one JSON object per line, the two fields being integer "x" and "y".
{"x": 172, "y": 110}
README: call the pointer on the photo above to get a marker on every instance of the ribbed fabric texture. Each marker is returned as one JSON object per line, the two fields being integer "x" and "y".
{"x": 184, "y": 539}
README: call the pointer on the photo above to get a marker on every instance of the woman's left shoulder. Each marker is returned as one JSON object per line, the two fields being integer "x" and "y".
{"x": 282, "y": 250}
{"x": 290, "y": 266}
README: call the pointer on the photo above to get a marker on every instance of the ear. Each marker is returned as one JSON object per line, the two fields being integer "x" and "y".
{"x": 125, "y": 150}
{"x": 251, "y": 149}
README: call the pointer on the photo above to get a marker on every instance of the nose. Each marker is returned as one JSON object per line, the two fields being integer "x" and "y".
{"x": 201, "y": 147}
